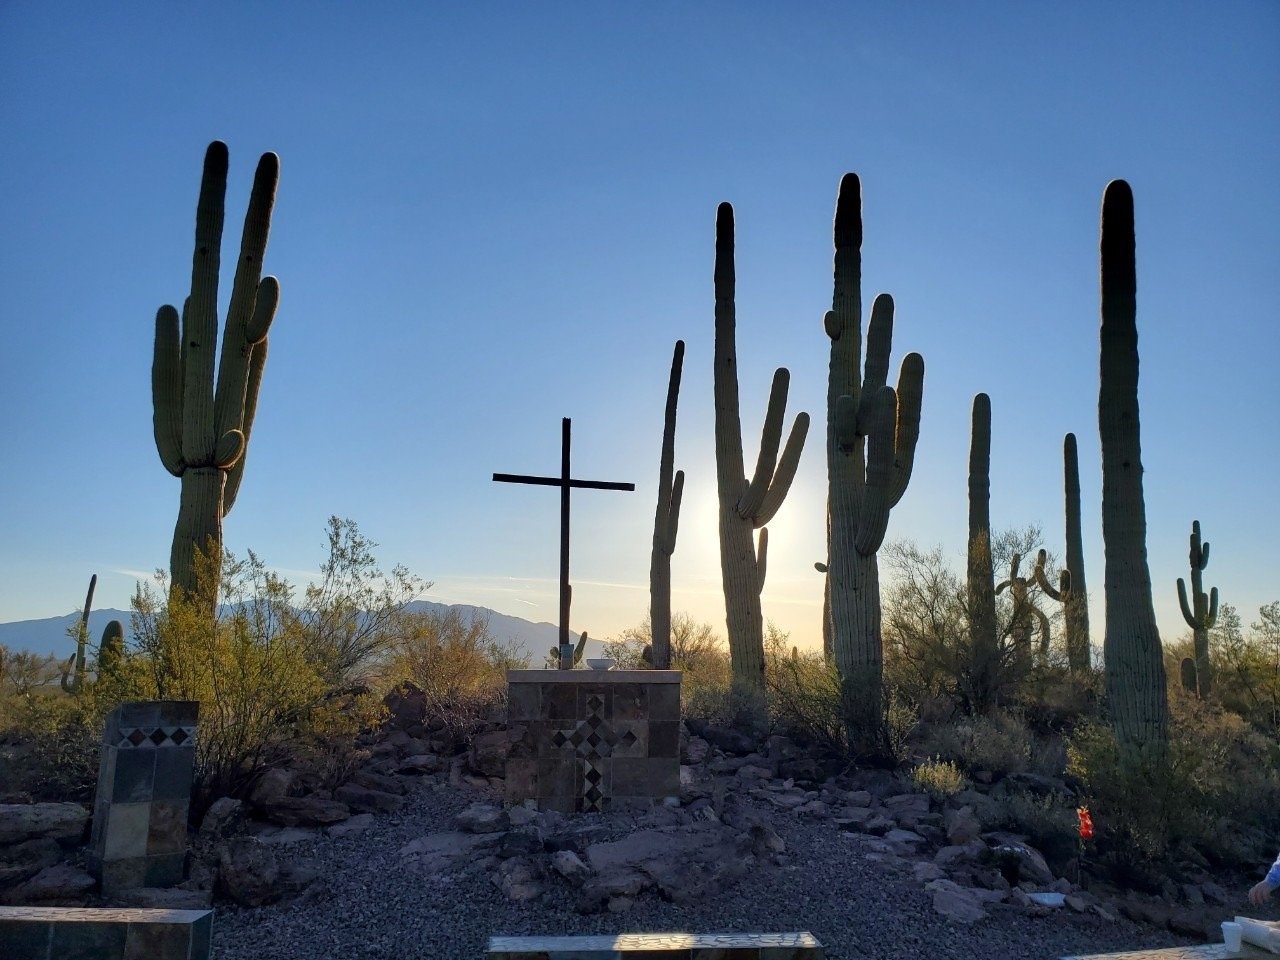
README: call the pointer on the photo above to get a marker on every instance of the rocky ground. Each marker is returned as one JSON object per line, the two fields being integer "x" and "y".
{"x": 418, "y": 857}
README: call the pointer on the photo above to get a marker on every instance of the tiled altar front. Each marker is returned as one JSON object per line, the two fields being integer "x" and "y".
{"x": 593, "y": 740}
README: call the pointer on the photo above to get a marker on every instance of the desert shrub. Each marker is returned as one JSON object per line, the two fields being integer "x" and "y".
{"x": 457, "y": 663}
{"x": 1215, "y": 792}
{"x": 1000, "y": 743}
{"x": 1048, "y": 821}
{"x": 939, "y": 778}
{"x": 803, "y": 694}
{"x": 713, "y": 702}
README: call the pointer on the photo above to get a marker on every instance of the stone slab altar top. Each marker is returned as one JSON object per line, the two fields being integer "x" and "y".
{"x": 593, "y": 740}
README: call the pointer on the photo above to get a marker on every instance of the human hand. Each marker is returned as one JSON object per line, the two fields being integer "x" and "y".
{"x": 1260, "y": 893}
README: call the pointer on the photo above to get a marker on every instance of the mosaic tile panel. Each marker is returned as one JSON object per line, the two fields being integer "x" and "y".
{"x": 56, "y": 933}
{"x": 139, "y": 835}
{"x": 660, "y": 946}
{"x": 589, "y": 741}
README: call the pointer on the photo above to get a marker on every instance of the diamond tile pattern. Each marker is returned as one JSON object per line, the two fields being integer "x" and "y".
{"x": 583, "y": 744}
{"x": 150, "y": 737}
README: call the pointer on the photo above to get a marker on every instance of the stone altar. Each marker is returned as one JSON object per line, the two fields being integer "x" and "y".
{"x": 593, "y": 740}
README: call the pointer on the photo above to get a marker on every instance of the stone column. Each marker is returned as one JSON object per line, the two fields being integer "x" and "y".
{"x": 144, "y": 791}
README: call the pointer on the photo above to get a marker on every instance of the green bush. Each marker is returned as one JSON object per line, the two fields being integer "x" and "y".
{"x": 999, "y": 744}
{"x": 940, "y": 779}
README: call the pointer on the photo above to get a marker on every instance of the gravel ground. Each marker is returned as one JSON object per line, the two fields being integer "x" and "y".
{"x": 369, "y": 903}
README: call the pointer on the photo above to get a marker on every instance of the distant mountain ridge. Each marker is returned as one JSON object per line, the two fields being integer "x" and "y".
{"x": 49, "y": 635}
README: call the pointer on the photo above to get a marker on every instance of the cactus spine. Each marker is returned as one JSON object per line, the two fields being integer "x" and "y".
{"x": 1071, "y": 591}
{"x": 984, "y": 668}
{"x": 1201, "y": 615}
{"x": 202, "y": 434}
{"x": 745, "y": 504}
{"x": 73, "y": 671}
{"x": 665, "y": 524}
{"x": 1135, "y": 677}
{"x": 871, "y": 439}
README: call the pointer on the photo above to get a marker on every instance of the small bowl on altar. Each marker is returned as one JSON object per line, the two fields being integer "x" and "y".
{"x": 601, "y": 663}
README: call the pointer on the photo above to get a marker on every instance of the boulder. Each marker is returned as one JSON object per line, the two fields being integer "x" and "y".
{"x": 439, "y": 852}
{"x": 58, "y": 884}
{"x": 406, "y": 706}
{"x": 487, "y": 755}
{"x": 309, "y": 811}
{"x": 357, "y": 824}
{"x": 379, "y": 781}
{"x": 22, "y": 861}
{"x": 1024, "y": 860}
{"x": 728, "y": 740}
{"x": 62, "y": 822}
{"x": 248, "y": 872}
{"x": 366, "y": 800}
{"x": 519, "y": 843}
{"x": 482, "y": 818}
{"x": 956, "y": 902}
{"x": 420, "y": 763}
{"x": 570, "y": 866}
{"x": 519, "y": 878}
{"x": 962, "y": 825}
{"x": 272, "y": 785}
{"x": 223, "y": 818}
{"x": 695, "y": 751}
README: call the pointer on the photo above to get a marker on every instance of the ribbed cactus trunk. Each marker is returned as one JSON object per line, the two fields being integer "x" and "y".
{"x": 665, "y": 523}
{"x": 1075, "y": 603}
{"x": 980, "y": 582}
{"x": 871, "y": 438}
{"x": 1135, "y": 676}
{"x": 1201, "y": 614}
{"x": 73, "y": 671}
{"x": 745, "y": 505}
{"x": 202, "y": 433}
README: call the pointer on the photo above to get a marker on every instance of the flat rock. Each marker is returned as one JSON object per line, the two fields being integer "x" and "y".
{"x": 421, "y": 763}
{"x": 52, "y": 885}
{"x": 357, "y": 824}
{"x": 363, "y": 799}
{"x": 570, "y": 866}
{"x": 62, "y": 822}
{"x": 482, "y": 818}
{"x": 248, "y": 872}
{"x": 272, "y": 785}
{"x": 306, "y": 811}
{"x": 223, "y": 818}
{"x": 22, "y": 861}
{"x": 956, "y": 902}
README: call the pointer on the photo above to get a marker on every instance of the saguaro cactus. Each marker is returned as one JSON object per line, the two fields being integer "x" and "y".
{"x": 871, "y": 440}
{"x": 746, "y": 504}
{"x": 110, "y": 649}
{"x": 1023, "y": 610}
{"x": 1202, "y": 614}
{"x": 1071, "y": 592}
{"x": 665, "y": 523}
{"x": 984, "y": 662}
{"x": 202, "y": 435}
{"x": 73, "y": 671}
{"x": 1135, "y": 677}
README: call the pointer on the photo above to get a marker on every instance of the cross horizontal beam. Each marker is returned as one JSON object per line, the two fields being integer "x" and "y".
{"x": 558, "y": 482}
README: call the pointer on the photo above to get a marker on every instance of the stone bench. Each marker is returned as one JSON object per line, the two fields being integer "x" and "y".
{"x": 52, "y": 933}
{"x": 1211, "y": 951}
{"x": 660, "y": 946}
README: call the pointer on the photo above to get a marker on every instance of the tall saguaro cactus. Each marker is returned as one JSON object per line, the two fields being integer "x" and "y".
{"x": 871, "y": 440}
{"x": 1135, "y": 677}
{"x": 1071, "y": 591}
{"x": 1201, "y": 614}
{"x": 666, "y": 521}
{"x": 202, "y": 434}
{"x": 984, "y": 657}
{"x": 73, "y": 671}
{"x": 746, "y": 504}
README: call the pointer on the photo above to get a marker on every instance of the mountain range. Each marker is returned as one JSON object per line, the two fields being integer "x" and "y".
{"x": 49, "y": 635}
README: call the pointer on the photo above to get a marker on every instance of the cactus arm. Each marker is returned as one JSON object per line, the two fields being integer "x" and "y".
{"x": 1213, "y": 609}
{"x": 879, "y": 345}
{"x": 69, "y": 685}
{"x": 1001, "y": 586}
{"x": 673, "y": 515}
{"x": 200, "y": 327}
{"x": 786, "y": 471}
{"x": 1042, "y": 580}
{"x": 166, "y": 390}
{"x": 762, "y": 556}
{"x": 235, "y": 473}
{"x": 239, "y": 343}
{"x": 770, "y": 438}
{"x": 873, "y": 520}
{"x": 1046, "y": 633}
{"x": 907, "y": 429}
{"x": 1187, "y": 615}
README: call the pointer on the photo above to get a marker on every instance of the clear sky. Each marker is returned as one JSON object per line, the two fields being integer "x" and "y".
{"x": 495, "y": 215}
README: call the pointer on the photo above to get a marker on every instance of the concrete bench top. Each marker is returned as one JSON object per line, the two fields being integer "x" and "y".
{"x": 105, "y": 933}
{"x": 1209, "y": 951}
{"x": 659, "y": 946}
{"x": 594, "y": 676}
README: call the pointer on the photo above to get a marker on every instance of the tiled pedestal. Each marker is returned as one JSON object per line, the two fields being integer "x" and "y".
{"x": 593, "y": 740}
{"x": 144, "y": 789}
{"x": 59, "y": 933}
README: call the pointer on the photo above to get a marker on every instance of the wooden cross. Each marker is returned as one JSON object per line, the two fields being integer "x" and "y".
{"x": 565, "y": 483}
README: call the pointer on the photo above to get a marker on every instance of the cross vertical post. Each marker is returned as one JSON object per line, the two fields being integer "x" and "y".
{"x": 565, "y": 482}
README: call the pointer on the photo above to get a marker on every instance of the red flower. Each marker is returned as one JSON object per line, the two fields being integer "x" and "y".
{"x": 1086, "y": 823}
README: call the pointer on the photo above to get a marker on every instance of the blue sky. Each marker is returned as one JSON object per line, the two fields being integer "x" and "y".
{"x": 494, "y": 215}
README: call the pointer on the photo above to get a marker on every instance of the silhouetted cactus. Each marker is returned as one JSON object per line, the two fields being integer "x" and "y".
{"x": 745, "y": 505}
{"x": 1201, "y": 615}
{"x": 575, "y": 658}
{"x": 984, "y": 665}
{"x": 666, "y": 522}
{"x": 1020, "y": 624}
{"x": 73, "y": 671}
{"x": 110, "y": 649}
{"x": 1071, "y": 592}
{"x": 202, "y": 434}
{"x": 1132, "y": 653}
{"x": 871, "y": 439}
